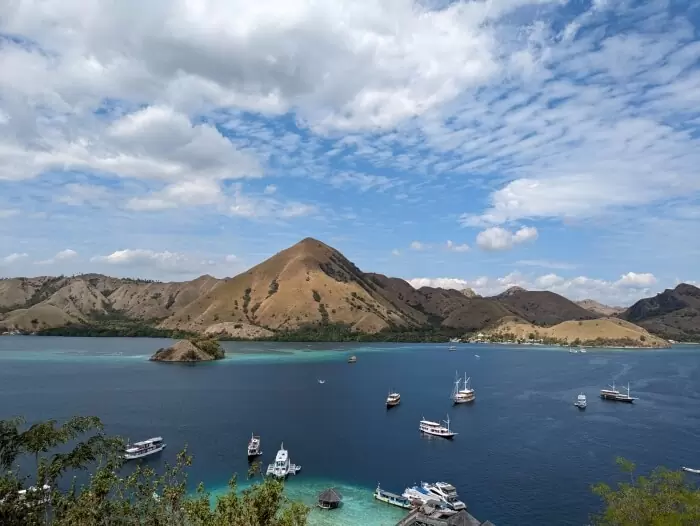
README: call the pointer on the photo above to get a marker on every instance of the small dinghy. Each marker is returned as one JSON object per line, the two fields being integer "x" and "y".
{"x": 691, "y": 470}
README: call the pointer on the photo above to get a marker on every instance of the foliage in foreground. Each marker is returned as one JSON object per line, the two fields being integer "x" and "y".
{"x": 109, "y": 498}
{"x": 664, "y": 498}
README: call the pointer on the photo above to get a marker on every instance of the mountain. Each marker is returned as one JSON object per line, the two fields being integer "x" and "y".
{"x": 673, "y": 313}
{"x": 308, "y": 285}
{"x": 603, "y": 331}
{"x": 598, "y": 308}
{"x": 542, "y": 307}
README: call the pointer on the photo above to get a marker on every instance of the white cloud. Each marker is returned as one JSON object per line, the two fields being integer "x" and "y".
{"x": 145, "y": 258}
{"x": 625, "y": 291}
{"x": 9, "y": 212}
{"x": 362, "y": 181}
{"x": 13, "y": 258}
{"x": 443, "y": 283}
{"x": 557, "y": 265}
{"x": 231, "y": 258}
{"x": 63, "y": 255}
{"x": 270, "y": 189}
{"x": 77, "y": 194}
{"x": 498, "y": 238}
{"x": 418, "y": 246}
{"x": 396, "y": 252}
{"x": 632, "y": 279}
{"x": 265, "y": 207}
{"x": 196, "y": 192}
{"x": 457, "y": 248}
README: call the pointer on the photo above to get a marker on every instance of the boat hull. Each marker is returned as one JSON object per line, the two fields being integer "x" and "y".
{"x": 613, "y": 398}
{"x": 399, "y": 502}
{"x": 136, "y": 456}
{"x": 448, "y": 436}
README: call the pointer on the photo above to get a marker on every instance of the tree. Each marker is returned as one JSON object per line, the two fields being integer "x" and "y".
{"x": 108, "y": 498}
{"x": 664, "y": 498}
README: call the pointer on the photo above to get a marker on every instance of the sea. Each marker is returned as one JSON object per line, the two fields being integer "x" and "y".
{"x": 524, "y": 454}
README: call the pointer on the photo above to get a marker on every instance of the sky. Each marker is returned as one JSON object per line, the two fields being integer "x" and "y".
{"x": 552, "y": 145}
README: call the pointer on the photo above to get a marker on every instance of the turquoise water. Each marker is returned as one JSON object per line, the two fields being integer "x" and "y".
{"x": 524, "y": 455}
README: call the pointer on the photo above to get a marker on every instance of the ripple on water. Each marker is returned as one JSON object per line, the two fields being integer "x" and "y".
{"x": 358, "y": 508}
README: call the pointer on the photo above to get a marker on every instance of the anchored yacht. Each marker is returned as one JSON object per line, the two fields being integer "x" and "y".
{"x": 393, "y": 399}
{"x": 615, "y": 395}
{"x": 144, "y": 448}
{"x": 436, "y": 429}
{"x": 282, "y": 466}
{"x": 254, "y": 447}
{"x": 446, "y": 493}
{"x": 465, "y": 394}
{"x": 581, "y": 401}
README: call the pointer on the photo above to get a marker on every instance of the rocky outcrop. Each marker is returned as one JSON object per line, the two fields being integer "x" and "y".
{"x": 190, "y": 351}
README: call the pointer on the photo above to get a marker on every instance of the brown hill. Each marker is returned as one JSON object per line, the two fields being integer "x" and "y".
{"x": 543, "y": 307}
{"x": 598, "y": 308}
{"x": 603, "y": 331}
{"x": 308, "y": 283}
{"x": 674, "y": 313}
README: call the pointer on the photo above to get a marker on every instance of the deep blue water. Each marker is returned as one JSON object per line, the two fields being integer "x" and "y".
{"x": 524, "y": 454}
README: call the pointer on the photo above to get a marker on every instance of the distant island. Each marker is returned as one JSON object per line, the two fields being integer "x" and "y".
{"x": 193, "y": 350}
{"x": 312, "y": 292}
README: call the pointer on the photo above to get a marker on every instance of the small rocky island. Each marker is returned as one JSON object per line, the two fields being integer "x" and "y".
{"x": 194, "y": 350}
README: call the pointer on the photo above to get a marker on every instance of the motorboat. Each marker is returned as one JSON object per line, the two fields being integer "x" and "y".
{"x": 352, "y": 359}
{"x": 392, "y": 498}
{"x": 322, "y": 382}
{"x": 393, "y": 399}
{"x": 282, "y": 466}
{"x": 581, "y": 401}
{"x": 144, "y": 448}
{"x": 691, "y": 470}
{"x": 446, "y": 493}
{"x": 254, "y": 447}
{"x": 436, "y": 429}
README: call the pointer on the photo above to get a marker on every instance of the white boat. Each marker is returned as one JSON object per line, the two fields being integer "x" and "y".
{"x": 144, "y": 448}
{"x": 322, "y": 381}
{"x": 254, "y": 447}
{"x": 463, "y": 395}
{"x": 445, "y": 493}
{"x": 418, "y": 496}
{"x": 573, "y": 351}
{"x": 582, "y": 350}
{"x": 282, "y": 466}
{"x": 393, "y": 399}
{"x": 691, "y": 470}
{"x": 615, "y": 395}
{"x": 452, "y": 348}
{"x": 581, "y": 401}
{"x": 436, "y": 429}
{"x": 392, "y": 498}
{"x": 477, "y": 356}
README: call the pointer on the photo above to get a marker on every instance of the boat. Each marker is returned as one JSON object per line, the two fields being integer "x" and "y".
{"x": 392, "y": 498}
{"x": 446, "y": 493}
{"x": 254, "y": 447}
{"x": 464, "y": 395}
{"x": 352, "y": 359}
{"x": 582, "y": 350}
{"x": 322, "y": 382}
{"x": 144, "y": 448}
{"x": 418, "y": 496}
{"x": 477, "y": 356}
{"x": 616, "y": 396}
{"x": 452, "y": 348}
{"x": 282, "y": 466}
{"x": 581, "y": 401}
{"x": 455, "y": 340}
{"x": 573, "y": 351}
{"x": 436, "y": 429}
{"x": 691, "y": 470}
{"x": 393, "y": 399}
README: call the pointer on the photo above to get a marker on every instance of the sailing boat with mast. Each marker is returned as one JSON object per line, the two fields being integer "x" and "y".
{"x": 465, "y": 394}
{"x": 615, "y": 395}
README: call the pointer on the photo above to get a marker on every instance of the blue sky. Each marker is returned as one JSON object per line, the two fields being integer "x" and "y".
{"x": 551, "y": 145}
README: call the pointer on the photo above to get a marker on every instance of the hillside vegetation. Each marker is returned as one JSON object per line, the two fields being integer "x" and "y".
{"x": 309, "y": 290}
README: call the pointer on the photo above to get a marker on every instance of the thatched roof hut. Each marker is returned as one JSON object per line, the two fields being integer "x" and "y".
{"x": 329, "y": 499}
